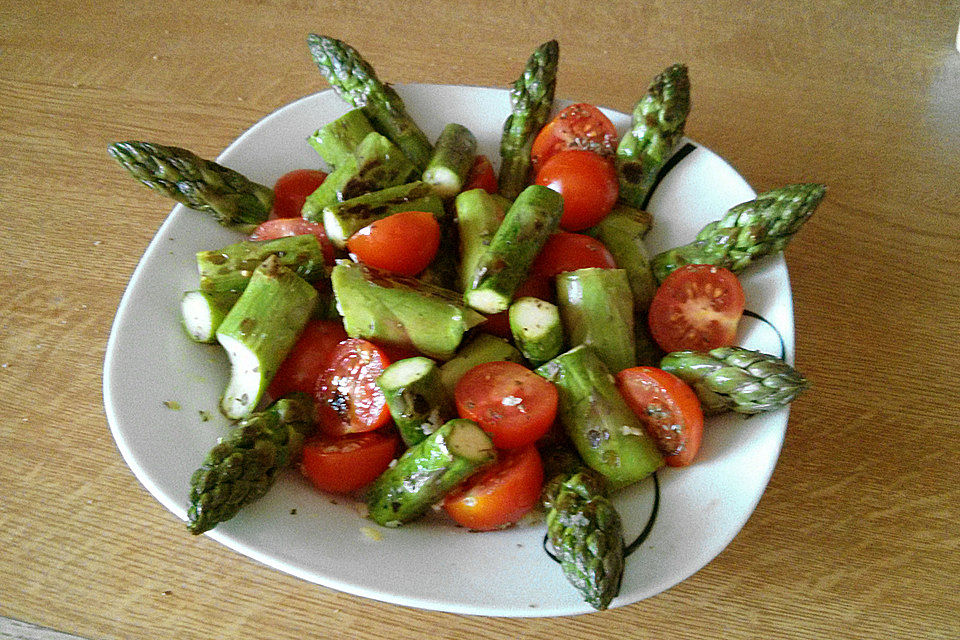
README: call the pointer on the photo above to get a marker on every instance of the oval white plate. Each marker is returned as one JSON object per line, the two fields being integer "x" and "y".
{"x": 428, "y": 564}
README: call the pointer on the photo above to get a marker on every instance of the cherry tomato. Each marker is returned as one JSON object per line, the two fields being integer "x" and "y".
{"x": 579, "y": 126}
{"x": 535, "y": 286}
{"x": 571, "y": 251}
{"x": 499, "y": 495}
{"x": 404, "y": 243}
{"x": 587, "y": 182}
{"x": 292, "y": 189}
{"x": 349, "y": 462}
{"x": 697, "y": 307}
{"x": 668, "y": 409}
{"x": 283, "y": 227}
{"x": 511, "y": 403}
{"x": 308, "y": 358}
{"x": 481, "y": 176}
{"x": 348, "y": 398}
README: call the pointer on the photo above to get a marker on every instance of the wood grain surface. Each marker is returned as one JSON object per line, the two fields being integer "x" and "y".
{"x": 857, "y": 533}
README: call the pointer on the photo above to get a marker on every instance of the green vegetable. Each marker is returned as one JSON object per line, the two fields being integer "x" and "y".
{"x": 597, "y": 310}
{"x": 479, "y": 215}
{"x": 481, "y": 349}
{"x": 655, "y": 130}
{"x": 537, "y": 332}
{"x": 260, "y": 330}
{"x": 747, "y": 232}
{"x": 246, "y": 462}
{"x": 234, "y": 201}
{"x": 736, "y": 379}
{"x": 429, "y": 470}
{"x": 228, "y": 270}
{"x": 531, "y": 100}
{"x": 451, "y": 161}
{"x": 201, "y": 313}
{"x": 337, "y": 141}
{"x": 416, "y": 398}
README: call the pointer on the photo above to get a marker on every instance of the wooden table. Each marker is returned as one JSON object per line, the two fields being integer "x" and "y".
{"x": 856, "y": 535}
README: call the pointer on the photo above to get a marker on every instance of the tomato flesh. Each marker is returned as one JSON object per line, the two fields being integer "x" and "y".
{"x": 308, "y": 358}
{"x": 481, "y": 176}
{"x": 283, "y": 227}
{"x": 292, "y": 189}
{"x": 587, "y": 182}
{"x": 403, "y": 243}
{"x": 500, "y": 495}
{"x": 347, "y": 463}
{"x": 697, "y": 308}
{"x": 511, "y": 403}
{"x": 668, "y": 409}
{"x": 579, "y": 126}
{"x": 348, "y": 398}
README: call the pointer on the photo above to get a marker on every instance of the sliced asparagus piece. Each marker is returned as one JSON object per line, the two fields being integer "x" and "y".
{"x": 597, "y": 310}
{"x": 260, "y": 330}
{"x": 244, "y": 464}
{"x": 228, "y": 270}
{"x": 479, "y": 214}
{"x": 536, "y": 328}
{"x": 401, "y": 311}
{"x": 416, "y": 398}
{"x": 201, "y": 313}
{"x": 451, "y": 161}
{"x": 483, "y": 348}
{"x": 235, "y": 201}
{"x": 604, "y": 430}
{"x": 337, "y": 141}
{"x": 503, "y": 265}
{"x": 357, "y": 83}
{"x": 428, "y": 471}
{"x": 531, "y": 100}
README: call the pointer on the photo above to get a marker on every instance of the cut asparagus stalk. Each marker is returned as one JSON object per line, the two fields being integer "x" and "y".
{"x": 536, "y": 328}
{"x": 452, "y": 159}
{"x": 604, "y": 430}
{"x": 483, "y": 348}
{"x": 401, "y": 311}
{"x": 376, "y": 164}
{"x": 428, "y": 471}
{"x": 337, "y": 141}
{"x": 342, "y": 220}
{"x": 202, "y": 313}
{"x": 503, "y": 265}
{"x": 228, "y": 270}
{"x": 597, "y": 310}
{"x": 260, "y": 330}
{"x": 415, "y": 397}
{"x": 479, "y": 214}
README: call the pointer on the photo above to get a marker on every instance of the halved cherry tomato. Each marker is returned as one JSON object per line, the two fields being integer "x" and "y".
{"x": 499, "y": 495}
{"x": 292, "y": 189}
{"x": 588, "y": 183}
{"x": 579, "y": 126}
{"x": 668, "y": 409}
{"x": 511, "y": 403}
{"x": 481, "y": 176}
{"x": 571, "y": 251}
{"x": 308, "y": 358}
{"x": 348, "y": 398}
{"x": 697, "y": 307}
{"x": 535, "y": 286}
{"x": 404, "y": 243}
{"x": 283, "y": 227}
{"x": 349, "y": 462}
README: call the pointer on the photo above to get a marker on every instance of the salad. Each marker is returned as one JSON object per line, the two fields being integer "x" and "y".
{"x": 362, "y": 318}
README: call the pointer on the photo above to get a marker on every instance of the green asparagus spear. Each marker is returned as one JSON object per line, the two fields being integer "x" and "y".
{"x": 235, "y": 201}
{"x": 656, "y": 128}
{"x": 337, "y": 141}
{"x": 747, "y": 232}
{"x": 586, "y": 534}
{"x": 202, "y": 313}
{"x": 483, "y": 348}
{"x": 452, "y": 158}
{"x": 479, "y": 214}
{"x": 228, "y": 270}
{"x": 417, "y": 400}
{"x": 536, "y": 329}
{"x": 531, "y": 100}
{"x": 245, "y": 463}
{"x": 357, "y": 83}
{"x": 736, "y": 379}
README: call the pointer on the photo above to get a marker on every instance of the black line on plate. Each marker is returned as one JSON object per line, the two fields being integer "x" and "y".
{"x": 633, "y": 546}
{"x": 783, "y": 345}
{"x": 674, "y": 160}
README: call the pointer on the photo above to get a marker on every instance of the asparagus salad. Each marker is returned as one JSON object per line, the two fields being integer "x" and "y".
{"x": 421, "y": 331}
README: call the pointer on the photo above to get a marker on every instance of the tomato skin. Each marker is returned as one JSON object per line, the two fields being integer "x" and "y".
{"x": 500, "y": 495}
{"x": 587, "y": 182}
{"x": 348, "y": 398}
{"x": 404, "y": 243}
{"x": 347, "y": 463}
{"x": 292, "y": 189}
{"x": 283, "y": 227}
{"x": 481, "y": 176}
{"x": 697, "y": 308}
{"x": 668, "y": 409}
{"x": 566, "y": 251}
{"x": 308, "y": 358}
{"x": 511, "y": 403}
{"x": 579, "y": 126}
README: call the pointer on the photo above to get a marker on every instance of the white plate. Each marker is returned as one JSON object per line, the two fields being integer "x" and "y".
{"x": 427, "y": 564}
